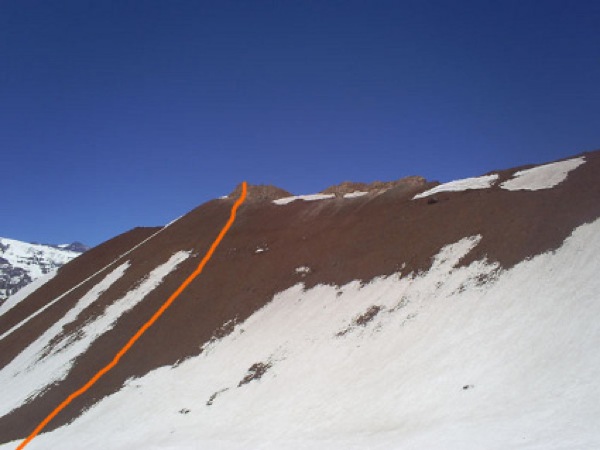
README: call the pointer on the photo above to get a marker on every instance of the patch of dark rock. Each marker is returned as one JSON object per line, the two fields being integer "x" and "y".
{"x": 214, "y": 396}
{"x": 226, "y": 329}
{"x": 255, "y": 372}
{"x": 343, "y": 332}
{"x": 485, "y": 278}
{"x": 65, "y": 340}
{"x": 368, "y": 315}
{"x": 401, "y": 304}
{"x": 361, "y": 320}
{"x": 468, "y": 386}
{"x": 184, "y": 411}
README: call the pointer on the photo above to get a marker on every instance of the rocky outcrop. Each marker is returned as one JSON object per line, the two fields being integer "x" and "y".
{"x": 260, "y": 192}
{"x": 376, "y": 187}
{"x": 11, "y": 279}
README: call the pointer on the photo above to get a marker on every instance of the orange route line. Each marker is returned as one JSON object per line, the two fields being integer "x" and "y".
{"x": 144, "y": 327}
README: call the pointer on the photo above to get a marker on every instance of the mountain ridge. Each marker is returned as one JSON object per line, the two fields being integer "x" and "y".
{"x": 289, "y": 256}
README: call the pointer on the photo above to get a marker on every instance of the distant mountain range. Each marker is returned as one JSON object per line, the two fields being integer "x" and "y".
{"x": 23, "y": 262}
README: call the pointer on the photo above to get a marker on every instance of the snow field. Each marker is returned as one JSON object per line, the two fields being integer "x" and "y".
{"x": 455, "y": 358}
{"x": 483, "y": 182}
{"x": 355, "y": 194}
{"x": 542, "y": 177}
{"x": 306, "y": 198}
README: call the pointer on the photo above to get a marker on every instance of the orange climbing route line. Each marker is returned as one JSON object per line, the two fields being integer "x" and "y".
{"x": 144, "y": 327}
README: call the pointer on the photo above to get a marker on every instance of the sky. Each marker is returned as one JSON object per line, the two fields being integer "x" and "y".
{"x": 116, "y": 114}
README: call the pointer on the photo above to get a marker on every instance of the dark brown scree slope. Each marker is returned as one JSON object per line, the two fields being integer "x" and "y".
{"x": 340, "y": 239}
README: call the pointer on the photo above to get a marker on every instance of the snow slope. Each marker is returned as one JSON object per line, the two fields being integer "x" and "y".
{"x": 452, "y": 358}
{"x": 482, "y": 182}
{"x": 542, "y": 177}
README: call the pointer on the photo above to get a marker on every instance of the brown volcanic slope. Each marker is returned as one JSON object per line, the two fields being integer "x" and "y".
{"x": 339, "y": 239}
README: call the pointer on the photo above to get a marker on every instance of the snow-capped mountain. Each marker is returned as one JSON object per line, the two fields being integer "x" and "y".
{"x": 404, "y": 315}
{"x": 22, "y": 262}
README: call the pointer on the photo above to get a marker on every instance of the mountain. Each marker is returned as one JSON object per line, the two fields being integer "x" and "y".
{"x": 23, "y": 262}
{"x": 404, "y": 315}
{"x": 76, "y": 246}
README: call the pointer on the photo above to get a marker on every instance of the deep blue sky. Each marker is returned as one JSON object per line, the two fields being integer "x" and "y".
{"x": 121, "y": 113}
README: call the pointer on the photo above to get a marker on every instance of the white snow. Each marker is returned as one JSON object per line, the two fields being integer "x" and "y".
{"x": 306, "y": 198}
{"x": 42, "y": 364}
{"x": 21, "y": 254}
{"x": 26, "y": 291}
{"x": 261, "y": 249}
{"x": 525, "y": 343}
{"x": 302, "y": 270}
{"x": 542, "y": 177}
{"x": 483, "y": 182}
{"x": 30, "y": 257}
{"x": 355, "y": 194}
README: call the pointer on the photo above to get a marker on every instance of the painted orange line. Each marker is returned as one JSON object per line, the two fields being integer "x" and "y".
{"x": 144, "y": 327}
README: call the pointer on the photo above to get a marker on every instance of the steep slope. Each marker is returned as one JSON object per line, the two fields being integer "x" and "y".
{"x": 22, "y": 262}
{"x": 413, "y": 316}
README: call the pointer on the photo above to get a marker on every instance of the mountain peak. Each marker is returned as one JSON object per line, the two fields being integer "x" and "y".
{"x": 260, "y": 192}
{"x": 376, "y": 187}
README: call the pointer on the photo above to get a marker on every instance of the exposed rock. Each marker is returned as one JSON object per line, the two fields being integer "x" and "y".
{"x": 255, "y": 372}
{"x": 74, "y": 247}
{"x": 260, "y": 192}
{"x": 376, "y": 187}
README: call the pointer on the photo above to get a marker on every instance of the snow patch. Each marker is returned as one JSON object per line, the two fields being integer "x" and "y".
{"x": 307, "y": 198}
{"x": 542, "y": 177}
{"x": 465, "y": 184}
{"x": 355, "y": 194}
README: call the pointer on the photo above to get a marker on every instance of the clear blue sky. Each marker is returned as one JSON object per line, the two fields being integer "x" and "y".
{"x": 115, "y": 114}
